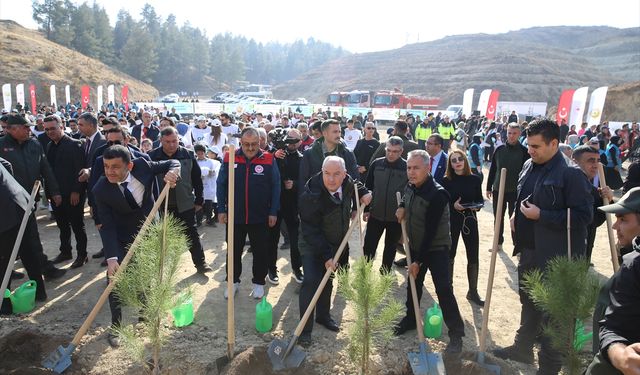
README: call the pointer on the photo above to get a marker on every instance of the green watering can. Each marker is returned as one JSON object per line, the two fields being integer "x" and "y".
{"x": 23, "y": 299}
{"x": 183, "y": 313}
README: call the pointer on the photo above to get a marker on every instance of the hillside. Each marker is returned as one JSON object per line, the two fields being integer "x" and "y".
{"x": 27, "y": 57}
{"x": 527, "y": 65}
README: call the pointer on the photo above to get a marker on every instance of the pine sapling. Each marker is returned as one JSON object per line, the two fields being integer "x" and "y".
{"x": 370, "y": 292}
{"x": 148, "y": 284}
{"x": 567, "y": 292}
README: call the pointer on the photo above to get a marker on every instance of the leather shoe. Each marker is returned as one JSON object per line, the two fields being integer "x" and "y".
{"x": 455, "y": 345}
{"x": 305, "y": 339}
{"x": 41, "y": 295}
{"x": 406, "y": 324}
{"x": 15, "y": 275}
{"x": 61, "y": 258}
{"x": 203, "y": 268}
{"x": 99, "y": 254}
{"x": 401, "y": 262}
{"x": 114, "y": 340}
{"x": 515, "y": 354}
{"x": 103, "y": 263}
{"x": 79, "y": 262}
{"x": 53, "y": 273}
{"x": 329, "y": 324}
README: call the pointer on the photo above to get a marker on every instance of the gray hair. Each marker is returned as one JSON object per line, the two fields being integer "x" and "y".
{"x": 302, "y": 125}
{"x": 334, "y": 159}
{"x": 514, "y": 125}
{"x": 251, "y": 131}
{"x": 395, "y": 141}
{"x": 262, "y": 133}
{"x": 426, "y": 159}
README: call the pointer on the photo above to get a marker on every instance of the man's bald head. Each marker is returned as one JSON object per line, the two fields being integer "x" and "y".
{"x": 334, "y": 172}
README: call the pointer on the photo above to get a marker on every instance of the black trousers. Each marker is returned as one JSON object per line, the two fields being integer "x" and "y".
{"x": 393, "y": 233}
{"x": 114, "y": 307}
{"x": 69, "y": 218}
{"x": 509, "y": 200}
{"x": 591, "y": 239}
{"x": 188, "y": 219}
{"x": 465, "y": 223}
{"x": 314, "y": 270}
{"x": 258, "y": 241}
{"x": 206, "y": 212}
{"x": 292, "y": 225}
{"x": 30, "y": 252}
{"x": 532, "y": 320}
{"x": 438, "y": 263}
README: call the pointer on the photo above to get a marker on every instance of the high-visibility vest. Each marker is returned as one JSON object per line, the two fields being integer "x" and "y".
{"x": 423, "y": 133}
{"x": 446, "y": 131}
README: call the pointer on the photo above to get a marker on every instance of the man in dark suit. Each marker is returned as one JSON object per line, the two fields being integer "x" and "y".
{"x": 14, "y": 200}
{"x": 93, "y": 139}
{"x": 123, "y": 198}
{"x": 66, "y": 157}
{"x": 146, "y": 129}
{"x": 437, "y": 156}
{"x": 74, "y": 132}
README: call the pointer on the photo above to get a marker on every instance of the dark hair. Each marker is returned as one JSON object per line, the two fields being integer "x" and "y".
{"x": 89, "y": 117}
{"x": 401, "y": 125}
{"x": 438, "y": 138}
{"x": 326, "y": 123}
{"x": 51, "y": 118}
{"x": 69, "y": 121}
{"x": 223, "y": 114}
{"x": 317, "y": 125}
{"x": 199, "y": 147}
{"x": 578, "y": 151}
{"x": 548, "y": 129}
{"x": 168, "y": 131}
{"x": 117, "y": 151}
{"x": 170, "y": 119}
{"x": 117, "y": 129}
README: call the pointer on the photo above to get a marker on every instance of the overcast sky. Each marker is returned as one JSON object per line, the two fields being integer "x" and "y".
{"x": 361, "y": 27}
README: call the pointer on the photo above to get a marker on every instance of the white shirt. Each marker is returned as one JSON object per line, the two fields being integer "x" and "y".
{"x": 229, "y": 131}
{"x": 209, "y": 168}
{"x": 436, "y": 161}
{"x": 135, "y": 187}
{"x": 339, "y": 191}
{"x": 351, "y": 138}
{"x": 199, "y": 135}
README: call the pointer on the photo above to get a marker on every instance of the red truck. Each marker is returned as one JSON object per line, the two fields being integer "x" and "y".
{"x": 381, "y": 99}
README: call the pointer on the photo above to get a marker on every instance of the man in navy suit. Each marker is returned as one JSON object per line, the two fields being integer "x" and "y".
{"x": 146, "y": 129}
{"x": 123, "y": 198}
{"x": 438, "y": 157}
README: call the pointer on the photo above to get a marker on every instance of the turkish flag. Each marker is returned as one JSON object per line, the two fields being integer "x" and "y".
{"x": 564, "y": 106}
{"x": 85, "y": 96}
{"x": 493, "y": 103}
{"x": 125, "y": 97}
{"x": 32, "y": 93}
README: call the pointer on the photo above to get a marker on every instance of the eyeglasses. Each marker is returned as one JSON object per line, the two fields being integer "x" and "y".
{"x": 371, "y": 128}
{"x": 457, "y": 160}
{"x": 111, "y": 143}
{"x": 51, "y": 129}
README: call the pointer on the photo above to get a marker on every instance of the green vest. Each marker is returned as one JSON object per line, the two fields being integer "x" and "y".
{"x": 446, "y": 131}
{"x": 416, "y": 208}
{"x": 386, "y": 182}
{"x": 422, "y": 134}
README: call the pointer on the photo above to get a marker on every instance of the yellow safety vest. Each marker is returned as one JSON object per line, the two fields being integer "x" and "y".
{"x": 422, "y": 134}
{"x": 446, "y": 131}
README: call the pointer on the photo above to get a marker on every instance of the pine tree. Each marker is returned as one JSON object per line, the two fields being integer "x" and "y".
{"x": 137, "y": 58}
{"x": 376, "y": 312}
{"x": 567, "y": 292}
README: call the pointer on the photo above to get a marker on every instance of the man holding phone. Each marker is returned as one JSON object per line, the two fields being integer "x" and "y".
{"x": 547, "y": 187}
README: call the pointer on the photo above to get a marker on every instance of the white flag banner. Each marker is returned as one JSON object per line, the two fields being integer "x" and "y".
{"x": 99, "y": 97}
{"x": 52, "y": 91}
{"x": 484, "y": 101}
{"x": 20, "y": 94}
{"x": 111, "y": 94}
{"x": 6, "y": 96}
{"x": 596, "y": 104}
{"x": 467, "y": 102}
{"x": 67, "y": 94}
{"x": 578, "y": 102}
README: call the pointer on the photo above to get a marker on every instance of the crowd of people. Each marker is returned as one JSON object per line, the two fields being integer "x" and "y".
{"x": 299, "y": 178}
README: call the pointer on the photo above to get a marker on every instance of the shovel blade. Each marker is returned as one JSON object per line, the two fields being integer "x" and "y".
{"x": 426, "y": 363}
{"x": 59, "y": 360}
{"x": 492, "y": 368}
{"x": 277, "y": 350}
{"x": 418, "y": 363}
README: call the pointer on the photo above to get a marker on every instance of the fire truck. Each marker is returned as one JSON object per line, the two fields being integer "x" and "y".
{"x": 381, "y": 99}
{"x": 337, "y": 99}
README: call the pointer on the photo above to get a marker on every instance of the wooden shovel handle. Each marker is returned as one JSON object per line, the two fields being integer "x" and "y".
{"x": 612, "y": 240}
{"x": 492, "y": 266}
{"x": 231, "y": 332}
{"x": 103, "y": 297}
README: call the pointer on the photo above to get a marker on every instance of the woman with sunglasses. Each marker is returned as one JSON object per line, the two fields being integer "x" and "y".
{"x": 465, "y": 193}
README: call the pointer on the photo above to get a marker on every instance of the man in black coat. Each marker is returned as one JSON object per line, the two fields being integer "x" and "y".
{"x": 124, "y": 199}
{"x": 146, "y": 130}
{"x": 66, "y": 158}
{"x": 547, "y": 187}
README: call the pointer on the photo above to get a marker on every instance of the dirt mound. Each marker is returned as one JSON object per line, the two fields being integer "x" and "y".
{"x": 466, "y": 364}
{"x": 23, "y": 350}
{"x": 255, "y": 361}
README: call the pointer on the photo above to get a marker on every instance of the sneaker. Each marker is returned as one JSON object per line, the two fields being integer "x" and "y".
{"x": 236, "y": 286}
{"x": 454, "y": 346}
{"x": 272, "y": 277}
{"x": 298, "y": 276}
{"x": 258, "y": 291}
{"x": 515, "y": 354}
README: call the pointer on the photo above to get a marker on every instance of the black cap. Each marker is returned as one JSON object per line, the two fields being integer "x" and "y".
{"x": 630, "y": 202}
{"x": 17, "y": 120}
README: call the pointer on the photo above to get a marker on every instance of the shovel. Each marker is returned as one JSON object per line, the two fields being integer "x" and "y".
{"x": 612, "y": 240}
{"x": 492, "y": 269}
{"x": 60, "y": 360}
{"x": 424, "y": 362}
{"x": 16, "y": 245}
{"x": 221, "y": 362}
{"x": 284, "y": 355}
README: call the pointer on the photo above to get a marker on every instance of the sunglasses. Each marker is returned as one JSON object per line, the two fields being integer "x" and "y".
{"x": 111, "y": 143}
{"x": 457, "y": 160}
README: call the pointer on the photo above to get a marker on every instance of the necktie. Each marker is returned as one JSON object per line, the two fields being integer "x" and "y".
{"x": 129, "y": 197}
{"x": 86, "y": 152}
{"x": 144, "y": 131}
{"x": 431, "y": 165}
{"x": 337, "y": 195}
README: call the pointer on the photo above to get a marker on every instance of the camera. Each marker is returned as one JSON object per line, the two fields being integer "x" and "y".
{"x": 279, "y": 139}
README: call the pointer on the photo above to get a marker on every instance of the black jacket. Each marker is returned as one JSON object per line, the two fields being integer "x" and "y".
{"x": 14, "y": 199}
{"x": 313, "y": 158}
{"x": 559, "y": 187}
{"x": 66, "y": 165}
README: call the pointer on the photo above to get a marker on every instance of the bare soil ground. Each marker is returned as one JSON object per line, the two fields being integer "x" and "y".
{"x": 26, "y": 339}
